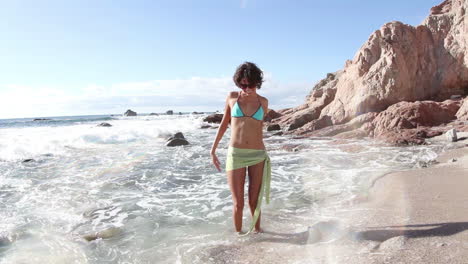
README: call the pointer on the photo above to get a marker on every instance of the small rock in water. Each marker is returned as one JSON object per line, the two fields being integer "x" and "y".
{"x": 214, "y": 118}
{"x": 106, "y": 233}
{"x": 278, "y": 133}
{"x": 205, "y": 126}
{"x": 28, "y": 160}
{"x": 169, "y": 112}
{"x": 104, "y": 125}
{"x": 179, "y": 135}
{"x": 130, "y": 113}
{"x": 454, "y": 160}
{"x": 177, "y": 140}
{"x": 153, "y": 114}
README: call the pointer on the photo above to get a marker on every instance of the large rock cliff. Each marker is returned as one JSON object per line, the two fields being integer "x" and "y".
{"x": 398, "y": 63}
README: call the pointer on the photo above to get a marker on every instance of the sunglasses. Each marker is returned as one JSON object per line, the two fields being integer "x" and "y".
{"x": 245, "y": 86}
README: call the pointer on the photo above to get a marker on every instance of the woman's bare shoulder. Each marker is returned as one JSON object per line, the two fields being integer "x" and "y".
{"x": 233, "y": 94}
{"x": 263, "y": 100}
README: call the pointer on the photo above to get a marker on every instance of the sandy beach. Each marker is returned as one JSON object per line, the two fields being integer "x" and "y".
{"x": 413, "y": 216}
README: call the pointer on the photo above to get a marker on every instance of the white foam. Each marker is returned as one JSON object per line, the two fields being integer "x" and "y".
{"x": 31, "y": 142}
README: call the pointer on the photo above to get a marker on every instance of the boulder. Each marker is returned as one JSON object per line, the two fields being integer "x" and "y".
{"x": 107, "y": 233}
{"x": 410, "y": 115}
{"x": 273, "y": 127}
{"x": 213, "y": 118}
{"x": 462, "y": 113}
{"x": 329, "y": 131}
{"x": 409, "y": 136}
{"x": 177, "y": 140}
{"x": 179, "y": 135}
{"x": 130, "y": 113}
{"x": 169, "y": 112}
{"x": 271, "y": 114}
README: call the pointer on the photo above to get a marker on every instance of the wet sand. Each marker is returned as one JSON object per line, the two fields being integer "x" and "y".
{"x": 414, "y": 216}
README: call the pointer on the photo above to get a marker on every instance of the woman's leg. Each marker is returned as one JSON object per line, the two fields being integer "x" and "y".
{"x": 255, "y": 182}
{"x": 236, "y": 180}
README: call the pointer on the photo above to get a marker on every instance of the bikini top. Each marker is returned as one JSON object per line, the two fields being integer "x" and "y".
{"x": 237, "y": 111}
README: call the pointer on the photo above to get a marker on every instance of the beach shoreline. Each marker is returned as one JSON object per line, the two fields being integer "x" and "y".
{"x": 413, "y": 216}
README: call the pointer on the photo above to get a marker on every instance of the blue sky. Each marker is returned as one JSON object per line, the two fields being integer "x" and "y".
{"x": 60, "y": 57}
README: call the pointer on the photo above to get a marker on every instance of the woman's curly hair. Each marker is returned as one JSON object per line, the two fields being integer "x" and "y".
{"x": 249, "y": 71}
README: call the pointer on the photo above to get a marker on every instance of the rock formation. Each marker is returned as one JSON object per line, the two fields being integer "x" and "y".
{"x": 177, "y": 140}
{"x": 104, "y": 124}
{"x": 398, "y": 63}
{"x": 130, "y": 113}
{"x": 213, "y": 118}
{"x": 462, "y": 113}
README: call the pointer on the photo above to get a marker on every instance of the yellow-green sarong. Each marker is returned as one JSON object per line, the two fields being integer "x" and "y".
{"x": 240, "y": 158}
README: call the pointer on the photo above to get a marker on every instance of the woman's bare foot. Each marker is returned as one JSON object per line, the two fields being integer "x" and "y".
{"x": 257, "y": 231}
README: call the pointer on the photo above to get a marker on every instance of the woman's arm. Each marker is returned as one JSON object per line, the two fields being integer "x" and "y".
{"x": 265, "y": 107}
{"x": 221, "y": 130}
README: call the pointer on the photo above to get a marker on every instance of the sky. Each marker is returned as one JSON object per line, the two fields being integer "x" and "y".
{"x": 85, "y": 57}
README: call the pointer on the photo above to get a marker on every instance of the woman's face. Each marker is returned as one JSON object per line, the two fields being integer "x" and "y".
{"x": 248, "y": 88}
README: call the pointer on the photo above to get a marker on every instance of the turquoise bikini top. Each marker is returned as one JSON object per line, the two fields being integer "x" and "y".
{"x": 237, "y": 111}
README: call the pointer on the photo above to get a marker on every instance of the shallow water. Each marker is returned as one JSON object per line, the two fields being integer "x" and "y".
{"x": 155, "y": 204}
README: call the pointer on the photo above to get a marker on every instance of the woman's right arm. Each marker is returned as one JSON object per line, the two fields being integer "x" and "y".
{"x": 221, "y": 130}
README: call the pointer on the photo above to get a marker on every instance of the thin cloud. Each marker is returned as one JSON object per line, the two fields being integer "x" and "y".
{"x": 185, "y": 95}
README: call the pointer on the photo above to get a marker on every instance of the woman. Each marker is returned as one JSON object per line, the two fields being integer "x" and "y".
{"x": 245, "y": 111}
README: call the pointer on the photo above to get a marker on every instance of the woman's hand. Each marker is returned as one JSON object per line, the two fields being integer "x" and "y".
{"x": 215, "y": 161}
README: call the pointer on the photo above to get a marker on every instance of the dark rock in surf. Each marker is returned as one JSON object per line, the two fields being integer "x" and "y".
{"x": 177, "y": 140}
{"x": 28, "y": 160}
{"x": 273, "y": 127}
{"x": 104, "y": 125}
{"x": 214, "y": 118}
{"x": 130, "y": 113}
{"x": 153, "y": 114}
{"x": 41, "y": 119}
{"x": 271, "y": 114}
{"x": 169, "y": 112}
{"x": 107, "y": 233}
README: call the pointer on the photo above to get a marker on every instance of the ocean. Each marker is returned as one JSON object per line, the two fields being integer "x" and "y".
{"x": 157, "y": 204}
